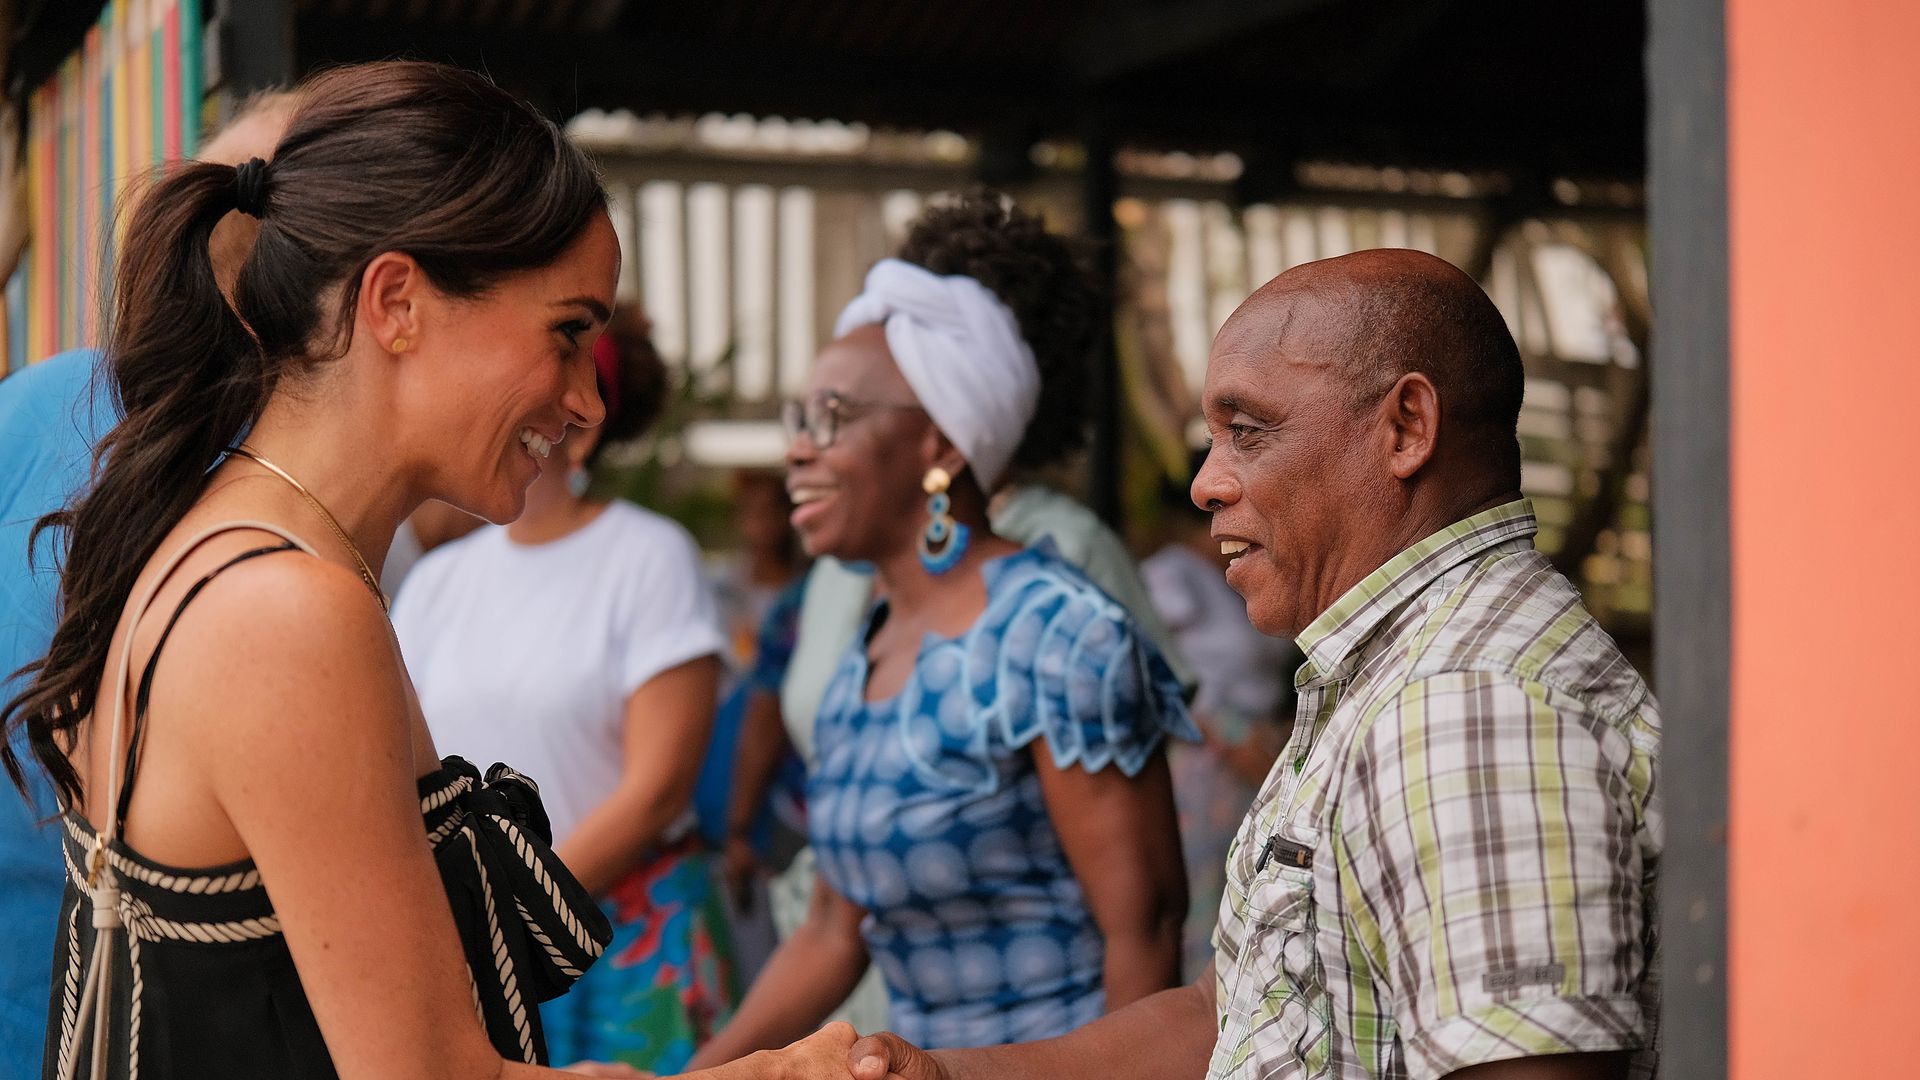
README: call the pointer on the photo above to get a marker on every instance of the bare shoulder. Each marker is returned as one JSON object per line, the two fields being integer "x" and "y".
{"x": 280, "y": 644}
{"x": 279, "y": 674}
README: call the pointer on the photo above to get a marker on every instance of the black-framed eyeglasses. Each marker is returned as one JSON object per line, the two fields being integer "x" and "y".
{"x": 820, "y": 416}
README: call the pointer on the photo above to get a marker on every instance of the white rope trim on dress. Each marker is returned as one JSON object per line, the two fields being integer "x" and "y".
{"x": 434, "y": 801}
{"x": 442, "y": 831}
{"x": 133, "y": 1016}
{"x": 502, "y": 960}
{"x": 238, "y": 881}
{"x": 108, "y": 900}
{"x": 479, "y": 1010}
{"x": 142, "y": 922}
{"x": 553, "y": 951}
{"x": 559, "y": 903}
{"x": 71, "y": 996}
{"x": 504, "y": 771}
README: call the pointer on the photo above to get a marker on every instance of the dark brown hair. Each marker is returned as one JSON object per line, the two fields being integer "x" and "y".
{"x": 432, "y": 161}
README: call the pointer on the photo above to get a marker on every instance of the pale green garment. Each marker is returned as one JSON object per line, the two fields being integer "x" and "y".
{"x": 835, "y": 603}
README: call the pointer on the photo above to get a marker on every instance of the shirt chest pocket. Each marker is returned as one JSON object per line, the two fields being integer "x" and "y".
{"x": 1277, "y": 1007}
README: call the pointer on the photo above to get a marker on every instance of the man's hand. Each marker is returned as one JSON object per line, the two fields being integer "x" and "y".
{"x": 887, "y": 1056}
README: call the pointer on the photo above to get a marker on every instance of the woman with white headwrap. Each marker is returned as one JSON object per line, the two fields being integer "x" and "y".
{"x": 990, "y": 803}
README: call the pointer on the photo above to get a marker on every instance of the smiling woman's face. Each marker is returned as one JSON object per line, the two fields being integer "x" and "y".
{"x": 859, "y": 498}
{"x": 503, "y": 377}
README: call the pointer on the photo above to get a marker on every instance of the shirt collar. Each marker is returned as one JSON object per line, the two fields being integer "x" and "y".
{"x": 1332, "y": 642}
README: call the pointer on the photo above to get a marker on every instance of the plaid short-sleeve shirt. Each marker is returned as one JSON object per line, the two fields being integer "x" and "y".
{"x": 1453, "y": 861}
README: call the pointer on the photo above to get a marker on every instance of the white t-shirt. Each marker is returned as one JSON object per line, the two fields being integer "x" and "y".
{"x": 527, "y": 653}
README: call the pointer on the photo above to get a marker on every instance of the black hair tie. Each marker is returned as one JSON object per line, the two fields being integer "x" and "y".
{"x": 250, "y": 187}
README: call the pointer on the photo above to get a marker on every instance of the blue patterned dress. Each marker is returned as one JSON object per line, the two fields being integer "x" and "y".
{"x": 926, "y": 808}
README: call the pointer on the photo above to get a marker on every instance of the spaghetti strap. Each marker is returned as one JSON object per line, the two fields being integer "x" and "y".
{"x": 151, "y": 950}
{"x": 119, "y": 758}
{"x": 145, "y": 691}
{"x": 101, "y": 879}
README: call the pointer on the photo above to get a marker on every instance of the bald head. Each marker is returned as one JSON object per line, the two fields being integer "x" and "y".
{"x": 254, "y": 131}
{"x": 1355, "y": 405}
{"x": 1374, "y": 316}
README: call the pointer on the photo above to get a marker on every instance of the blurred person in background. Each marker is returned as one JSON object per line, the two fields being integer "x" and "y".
{"x": 1056, "y": 301}
{"x": 1243, "y": 707}
{"x": 768, "y": 561}
{"x": 990, "y": 805}
{"x": 751, "y": 784}
{"x": 51, "y": 415}
{"x": 435, "y": 523}
{"x": 582, "y": 640}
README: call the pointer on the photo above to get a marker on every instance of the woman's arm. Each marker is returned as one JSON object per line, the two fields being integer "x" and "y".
{"x": 1168, "y": 1036}
{"x": 669, "y": 722}
{"x": 1122, "y": 839}
{"x": 763, "y": 740}
{"x": 286, "y": 688}
{"x": 808, "y": 977}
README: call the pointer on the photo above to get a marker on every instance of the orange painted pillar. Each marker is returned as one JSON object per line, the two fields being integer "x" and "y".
{"x": 1823, "y": 112}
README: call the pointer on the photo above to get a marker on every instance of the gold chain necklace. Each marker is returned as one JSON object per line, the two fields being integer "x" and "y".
{"x": 366, "y": 572}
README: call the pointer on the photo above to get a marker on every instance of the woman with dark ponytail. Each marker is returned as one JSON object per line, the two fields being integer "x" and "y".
{"x": 271, "y": 872}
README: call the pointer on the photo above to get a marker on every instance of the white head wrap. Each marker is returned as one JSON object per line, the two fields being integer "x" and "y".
{"x": 960, "y": 349}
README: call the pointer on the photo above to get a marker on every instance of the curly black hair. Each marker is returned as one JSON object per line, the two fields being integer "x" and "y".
{"x": 1050, "y": 284}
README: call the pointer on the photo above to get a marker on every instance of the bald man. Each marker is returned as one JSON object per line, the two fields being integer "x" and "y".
{"x": 51, "y": 414}
{"x": 1450, "y": 872}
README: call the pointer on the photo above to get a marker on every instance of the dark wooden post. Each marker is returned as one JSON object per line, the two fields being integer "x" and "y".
{"x": 1692, "y": 611}
{"x": 250, "y": 48}
{"x": 1108, "y": 444}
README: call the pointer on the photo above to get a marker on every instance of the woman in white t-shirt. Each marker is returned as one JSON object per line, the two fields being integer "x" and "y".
{"x": 582, "y": 643}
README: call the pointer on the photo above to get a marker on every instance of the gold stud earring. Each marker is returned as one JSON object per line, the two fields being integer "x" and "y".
{"x": 399, "y": 345}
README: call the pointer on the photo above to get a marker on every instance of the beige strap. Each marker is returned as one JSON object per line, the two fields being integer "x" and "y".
{"x": 102, "y": 882}
{"x": 124, "y": 673}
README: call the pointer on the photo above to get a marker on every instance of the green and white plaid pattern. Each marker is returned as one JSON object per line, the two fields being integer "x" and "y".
{"x": 1453, "y": 861}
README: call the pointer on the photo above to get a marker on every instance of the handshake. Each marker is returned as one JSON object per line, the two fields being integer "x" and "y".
{"x": 835, "y": 1052}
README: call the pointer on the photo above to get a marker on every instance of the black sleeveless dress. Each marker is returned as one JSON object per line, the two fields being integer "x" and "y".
{"x": 204, "y": 984}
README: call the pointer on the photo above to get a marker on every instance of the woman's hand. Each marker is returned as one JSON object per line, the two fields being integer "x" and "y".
{"x": 820, "y": 1056}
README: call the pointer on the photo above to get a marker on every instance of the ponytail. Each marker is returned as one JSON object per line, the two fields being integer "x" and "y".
{"x": 188, "y": 379}
{"x": 404, "y": 156}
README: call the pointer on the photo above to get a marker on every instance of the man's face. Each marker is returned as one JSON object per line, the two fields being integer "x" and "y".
{"x": 1295, "y": 472}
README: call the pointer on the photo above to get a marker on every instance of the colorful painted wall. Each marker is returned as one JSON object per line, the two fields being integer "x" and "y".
{"x": 129, "y": 98}
{"x": 1824, "y": 268}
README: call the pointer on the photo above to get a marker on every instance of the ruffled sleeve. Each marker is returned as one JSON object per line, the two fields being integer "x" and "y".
{"x": 1073, "y": 667}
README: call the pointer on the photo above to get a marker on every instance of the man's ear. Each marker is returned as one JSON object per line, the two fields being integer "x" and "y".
{"x": 391, "y": 291}
{"x": 1412, "y": 411}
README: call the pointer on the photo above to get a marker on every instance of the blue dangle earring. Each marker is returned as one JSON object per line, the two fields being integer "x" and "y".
{"x": 944, "y": 540}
